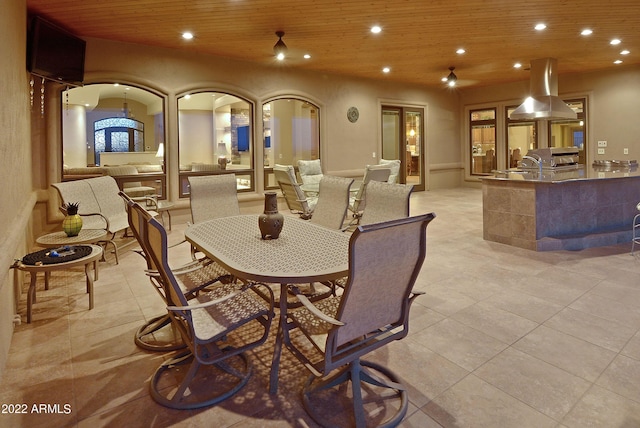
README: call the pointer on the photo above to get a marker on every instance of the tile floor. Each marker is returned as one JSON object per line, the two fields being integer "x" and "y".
{"x": 504, "y": 337}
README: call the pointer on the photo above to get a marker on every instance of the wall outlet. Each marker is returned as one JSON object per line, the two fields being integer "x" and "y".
{"x": 374, "y": 155}
{"x": 600, "y": 151}
{"x": 602, "y": 144}
{"x": 625, "y": 151}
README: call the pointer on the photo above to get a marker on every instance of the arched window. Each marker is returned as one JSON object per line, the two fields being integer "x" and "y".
{"x": 215, "y": 133}
{"x": 113, "y": 124}
{"x": 291, "y": 132}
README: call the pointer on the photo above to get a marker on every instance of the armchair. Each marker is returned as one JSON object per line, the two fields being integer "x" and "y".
{"x": 293, "y": 195}
{"x": 310, "y": 171}
{"x": 384, "y": 262}
{"x": 394, "y": 166}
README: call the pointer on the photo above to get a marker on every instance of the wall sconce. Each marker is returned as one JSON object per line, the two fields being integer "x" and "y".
{"x": 280, "y": 49}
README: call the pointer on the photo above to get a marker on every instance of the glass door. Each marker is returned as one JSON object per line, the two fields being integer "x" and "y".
{"x": 522, "y": 136}
{"x": 403, "y": 139}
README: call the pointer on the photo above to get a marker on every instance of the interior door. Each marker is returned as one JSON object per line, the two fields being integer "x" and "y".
{"x": 403, "y": 138}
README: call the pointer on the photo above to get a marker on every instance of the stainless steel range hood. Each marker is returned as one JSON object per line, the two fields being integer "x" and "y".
{"x": 543, "y": 101}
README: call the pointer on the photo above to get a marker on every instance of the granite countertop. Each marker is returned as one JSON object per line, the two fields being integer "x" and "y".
{"x": 576, "y": 173}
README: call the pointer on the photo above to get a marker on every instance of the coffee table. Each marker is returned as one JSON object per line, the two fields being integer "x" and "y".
{"x": 34, "y": 270}
{"x": 86, "y": 236}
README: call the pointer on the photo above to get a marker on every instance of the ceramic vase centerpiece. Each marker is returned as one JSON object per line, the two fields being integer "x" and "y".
{"x": 271, "y": 221}
{"x": 72, "y": 223}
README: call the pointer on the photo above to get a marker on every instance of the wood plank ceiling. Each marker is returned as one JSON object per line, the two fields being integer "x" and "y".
{"x": 418, "y": 41}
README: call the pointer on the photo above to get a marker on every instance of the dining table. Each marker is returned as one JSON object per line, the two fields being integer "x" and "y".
{"x": 304, "y": 253}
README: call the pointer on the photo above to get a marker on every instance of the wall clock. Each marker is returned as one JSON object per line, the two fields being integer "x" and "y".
{"x": 353, "y": 114}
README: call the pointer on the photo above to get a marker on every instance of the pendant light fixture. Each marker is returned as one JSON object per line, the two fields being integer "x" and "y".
{"x": 452, "y": 78}
{"x": 280, "y": 49}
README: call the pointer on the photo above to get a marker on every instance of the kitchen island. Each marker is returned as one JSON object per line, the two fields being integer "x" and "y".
{"x": 561, "y": 209}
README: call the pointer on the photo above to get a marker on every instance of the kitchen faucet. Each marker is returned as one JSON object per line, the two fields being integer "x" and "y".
{"x": 538, "y": 161}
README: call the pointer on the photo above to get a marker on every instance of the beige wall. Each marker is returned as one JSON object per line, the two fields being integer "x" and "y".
{"x": 345, "y": 146}
{"x": 16, "y": 192}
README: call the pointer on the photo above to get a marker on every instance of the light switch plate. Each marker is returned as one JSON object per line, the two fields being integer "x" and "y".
{"x": 602, "y": 144}
{"x": 625, "y": 151}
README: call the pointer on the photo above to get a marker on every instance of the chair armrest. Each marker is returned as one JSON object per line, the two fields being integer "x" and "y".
{"x": 205, "y": 304}
{"x": 186, "y": 268}
{"x": 415, "y": 294}
{"x": 311, "y": 307}
{"x": 217, "y": 301}
{"x": 106, "y": 220}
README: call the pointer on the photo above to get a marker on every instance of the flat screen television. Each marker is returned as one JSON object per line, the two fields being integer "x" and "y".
{"x": 54, "y": 53}
{"x": 243, "y": 138}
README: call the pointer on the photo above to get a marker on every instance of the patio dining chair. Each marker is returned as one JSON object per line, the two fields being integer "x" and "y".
{"x": 193, "y": 276}
{"x": 386, "y": 202}
{"x": 384, "y": 262}
{"x": 214, "y": 327}
{"x": 333, "y": 201}
{"x": 358, "y": 201}
{"x": 212, "y": 196}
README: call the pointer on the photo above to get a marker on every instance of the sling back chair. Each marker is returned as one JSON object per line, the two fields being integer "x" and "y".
{"x": 386, "y": 202}
{"x": 384, "y": 262}
{"x": 296, "y": 200}
{"x": 333, "y": 201}
{"x": 212, "y": 196}
{"x": 357, "y": 202}
{"x": 217, "y": 326}
{"x": 194, "y": 277}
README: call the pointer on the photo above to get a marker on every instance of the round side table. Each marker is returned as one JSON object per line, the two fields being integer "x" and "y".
{"x": 86, "y": 236}
{"x": 86, "y": 261}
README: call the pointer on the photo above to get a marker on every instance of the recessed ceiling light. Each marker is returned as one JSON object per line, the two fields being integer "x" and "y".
{"x": 306, "y": 56}
{"x": 187, "y": 35}
{"x": 586, "y": 32}
{"x": 186, "y": 97}
{"x": 460, "y": 51}
{"x": 517, "y": 65}
{"x": 615, "y": 41}
{"x": 618, "y": 61}
{"x": 386, "y": 70}
{"x": 540, "y": 26}
{"x": 376, "y": 29}
{"x": 116, "y": 84}
{"x": 444, "y": 79}
{"x": 624, "y": 52}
